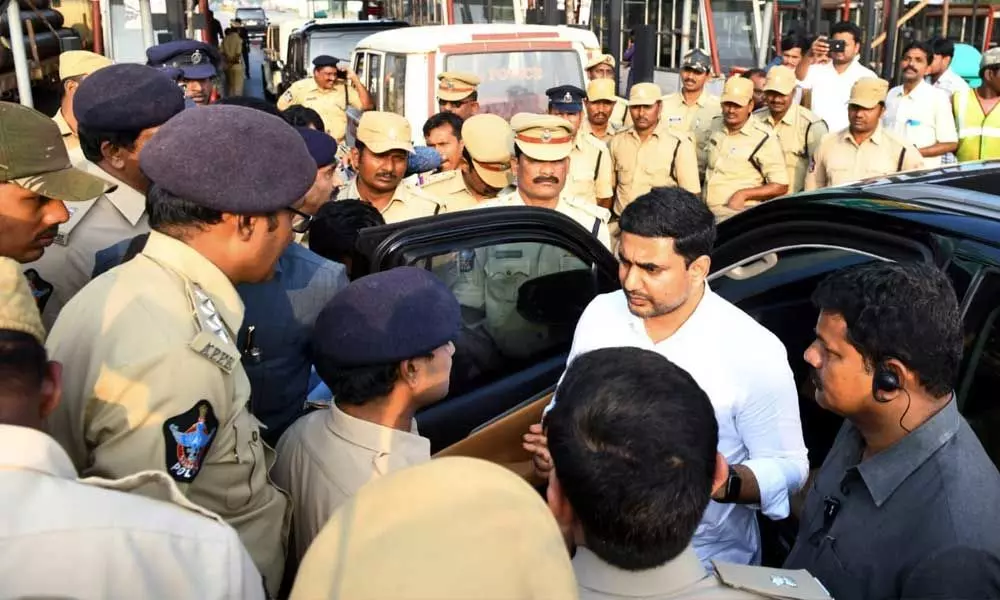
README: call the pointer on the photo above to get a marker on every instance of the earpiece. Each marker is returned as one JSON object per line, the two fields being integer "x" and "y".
{"x": 884, "y": 380}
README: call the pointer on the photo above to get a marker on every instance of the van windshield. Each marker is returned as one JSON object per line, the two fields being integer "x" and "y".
{"x": 338, "y": 44}
{"x": 514, "y": 82}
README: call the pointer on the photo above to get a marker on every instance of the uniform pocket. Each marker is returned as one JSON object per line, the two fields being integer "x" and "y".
{"x": 505, "y": 275}
{"x": 248, "y": 443}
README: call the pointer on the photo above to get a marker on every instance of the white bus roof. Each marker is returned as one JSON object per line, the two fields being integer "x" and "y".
{"x": 428, "y": 39}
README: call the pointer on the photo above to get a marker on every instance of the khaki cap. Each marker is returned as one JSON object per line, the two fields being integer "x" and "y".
{"x": 644, "y": 94}
{"x": 73, "y": 63}
{"x": 990, "y": 58}
{"x": 18, "y": 311}
{"x": 601, "y": 59}
{"x": 454, "y": 86}
{"x": 450, "y": 529}
{"x": 738, "y": 90}
{"x": 384, "y": 131}
{"x": 33, "y": 155}
{"x": 490, "y": 142}
{"x": 780, "y": 79}
{"x": 542, "y": 137}
{"x": 601, "y": 89}
{"x": 869, "y": 92}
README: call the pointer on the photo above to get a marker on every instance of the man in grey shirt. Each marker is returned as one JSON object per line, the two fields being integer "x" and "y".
{"x": 907, "y": 487}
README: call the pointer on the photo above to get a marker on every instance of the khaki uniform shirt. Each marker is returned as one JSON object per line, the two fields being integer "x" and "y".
{"x": 407, "y": 203}
{"x": 100, "y": 538}
{"x": 590, "y": 169}
{"x": 450, "y": 188}
{"x": 694, "y": 119}
{"x": 330, "y": 104}
{"x": 682, "y": 578}
{"x": 152, "y": 379}
{"x": 591, "y": 217}
{"x": 799, "y": 133}
{"x": 232, "y": 50}
{"x": 746, "y": 159}
{"x": 609, "y": 133}
{"x": 94, "y": 225}
{"x": 839, "y": 159}
{"x": 665, "y": 158}
{"x": 327, "y": 455}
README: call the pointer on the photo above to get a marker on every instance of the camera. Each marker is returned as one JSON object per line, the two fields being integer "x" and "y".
{"x": 838, "y": 45}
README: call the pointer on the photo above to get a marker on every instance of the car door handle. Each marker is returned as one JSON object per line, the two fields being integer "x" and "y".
{"x": 753, "y": 269}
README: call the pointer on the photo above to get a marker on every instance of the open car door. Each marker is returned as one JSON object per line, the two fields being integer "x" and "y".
{"x": 523, "y": 277}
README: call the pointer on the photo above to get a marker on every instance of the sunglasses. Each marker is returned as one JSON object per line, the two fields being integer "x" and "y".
{"x": 300, "y": 220}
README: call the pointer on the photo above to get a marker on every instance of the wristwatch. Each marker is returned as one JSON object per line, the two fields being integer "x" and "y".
{"x": 733, "y": 485}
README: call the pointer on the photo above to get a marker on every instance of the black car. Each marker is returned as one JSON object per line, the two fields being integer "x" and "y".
{"x": 767, "y": 261}
{"x": 254, "y": 20}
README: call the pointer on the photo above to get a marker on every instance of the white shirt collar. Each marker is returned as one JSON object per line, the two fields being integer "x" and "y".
{"x": 26, "y": 449}
{"x": 695, "y": 324}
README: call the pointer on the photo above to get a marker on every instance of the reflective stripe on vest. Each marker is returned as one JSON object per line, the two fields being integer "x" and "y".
{"x": 978, "y": 133}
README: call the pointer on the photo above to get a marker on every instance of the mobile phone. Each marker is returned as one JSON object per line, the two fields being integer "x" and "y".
{"x": 837, "y": 45}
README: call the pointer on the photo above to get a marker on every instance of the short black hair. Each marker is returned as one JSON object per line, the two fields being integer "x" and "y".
{"x": 334, "y": 229}
{"x": 754, "y": 72}
{"x": 793, "y": 41}
{"x": 924, "y": 47}
{"x": 357, "y": 385}
{"x": 251, "y": 102}
{"x": 906, "y": 311}
{"x": 23, "y": 364}
{"x": 91, "y": 141}
{"x": 303, "y": 116}
{"x": 168, "y": 211}
{"x": 943, "y": 46}
{"x": 846, "y": 27}
{"x": 633, "y": 441}
{"x": 442, "y": 119}
{"x": 672, "y": 212}
{"x": 474, "y": 96}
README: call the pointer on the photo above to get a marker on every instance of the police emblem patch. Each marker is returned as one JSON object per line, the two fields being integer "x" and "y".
{"x": 196, "y": 57}
{"x": 782, "y": 581}
{"x": 466, "y": 260}
{"x": 568, "y": 98}
{"x": 546, "y": 136}
{"x": 187, "y": 438}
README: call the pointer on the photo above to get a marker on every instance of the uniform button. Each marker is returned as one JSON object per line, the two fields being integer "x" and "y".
{"x": 255, "y": 436}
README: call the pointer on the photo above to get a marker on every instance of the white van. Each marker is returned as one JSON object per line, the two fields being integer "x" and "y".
{"x": 516, "y": 63}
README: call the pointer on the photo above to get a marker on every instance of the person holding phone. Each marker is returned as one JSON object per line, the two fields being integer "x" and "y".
{"x": 830, "y": 69}
{"x": 330, "y": 91}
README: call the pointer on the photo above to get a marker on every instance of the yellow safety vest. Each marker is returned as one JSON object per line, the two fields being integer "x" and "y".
{"x": 978, "y": 133}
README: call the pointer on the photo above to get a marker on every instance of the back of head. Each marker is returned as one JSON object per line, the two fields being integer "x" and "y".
{"x": 906, "y": 311}
{"x": 303, "y": 116}
{"x": 633, "y": 440}
{"x": 23, "y": 363}
{"x": 672, "y": 212}
{"x": 334, "y": 229}
{"x": 450, "y": 529}
{"x": 442, "y": 119}
{"x": 791, "y": 41}
{"x": 251, "y": 102}
{"x": 846, "y": 27}
{"x": 943, "y": 47}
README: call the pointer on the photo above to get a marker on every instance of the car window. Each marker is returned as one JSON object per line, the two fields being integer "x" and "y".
{"x": 335, "y": 43}
{"x": 981, "y": 378}
{"x": 372, "y": 81}
{"x": 360, "y": 66}
{"x": 516, "y": 81}
{"x": 395, "y": 81}
{"x": 520, "y": 304}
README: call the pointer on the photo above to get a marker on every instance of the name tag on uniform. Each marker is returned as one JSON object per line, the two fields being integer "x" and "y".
{"x": 211, "y": 348}
{"x": 675, "y": 120}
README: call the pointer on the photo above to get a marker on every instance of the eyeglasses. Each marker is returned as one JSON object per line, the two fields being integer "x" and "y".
{"x": 300, "y": 220}
{"x": 456, "y": 104}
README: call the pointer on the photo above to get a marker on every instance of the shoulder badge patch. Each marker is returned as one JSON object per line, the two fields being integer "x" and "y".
{"x": 187, "y": 438}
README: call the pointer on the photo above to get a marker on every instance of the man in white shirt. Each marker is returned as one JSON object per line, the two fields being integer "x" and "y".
{"x": 831, "y": 81}
{"x": 666, "y": 306}
{"x": 917, "y": 111}
{"x": 940, "y": 73}
{"x": 63, "y": 537}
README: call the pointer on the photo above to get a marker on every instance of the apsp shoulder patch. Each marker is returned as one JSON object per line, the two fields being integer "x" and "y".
{"x": 187, "y": 438}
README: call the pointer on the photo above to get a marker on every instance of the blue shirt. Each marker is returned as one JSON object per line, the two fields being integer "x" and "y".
{"x": 282, "y": 311}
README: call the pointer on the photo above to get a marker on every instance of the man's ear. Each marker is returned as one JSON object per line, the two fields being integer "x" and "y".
{"x": 355, "y": 158}
{"x": 561, "y": 510}
{"x": 699, "y": 268}
{"x": 70, "y": 86}
{"x": 409, "y": 372}
{"x": 115, "y": 155}
{"x": 51, "y": 389}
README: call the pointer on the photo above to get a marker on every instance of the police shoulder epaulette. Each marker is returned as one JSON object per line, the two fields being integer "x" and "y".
{"x": 436, "y": 178}
{"x": 589, "y": 207}
{"x": 213, "y": 339}
{"x": 809, "y": 115}
{"x": 594, "y": 141}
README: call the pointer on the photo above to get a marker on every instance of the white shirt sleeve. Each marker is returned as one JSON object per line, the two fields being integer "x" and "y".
{"x": 769, "y": 424}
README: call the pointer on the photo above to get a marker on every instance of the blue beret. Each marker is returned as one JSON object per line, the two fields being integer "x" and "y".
{"x": 322, "y": 147}
{"x": 126, "y": 97}
{"x": 325, "y": 60}
{"x": 230, "y": 158}
{"x": 422, "y": 159}
{"x": 566, "y": 97}
{"x": 194, "y": 59}
{"x": 385, "y": 318}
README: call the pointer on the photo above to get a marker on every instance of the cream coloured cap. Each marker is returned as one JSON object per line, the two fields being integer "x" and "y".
{"x": 644, "y": 94}
{"x": 601, "y": 59}
{"x": 601, "y": 89}
{"x": 738, "y": 90}
{"x": 780, "y": 79}
{"x": 868, "y": 92}
{"x": 454, "y": 85}
{"x": 384, "y": 131}
{"x": 73, "y": 63}
{"x": 450, "y": 529}
{"x": 490, "y": 142}
{"x": 990, "y": 58}
{"x": 18, "y": 311}
{"x": 542, "y": 137}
